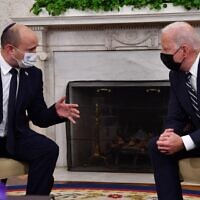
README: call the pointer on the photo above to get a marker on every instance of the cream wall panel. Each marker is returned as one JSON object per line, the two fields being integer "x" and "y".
{"x": 14, "y": 8}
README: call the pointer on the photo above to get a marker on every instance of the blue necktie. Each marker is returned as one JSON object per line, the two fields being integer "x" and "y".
{"x": 192, "y": 94}
{"x": 11, "y": 111}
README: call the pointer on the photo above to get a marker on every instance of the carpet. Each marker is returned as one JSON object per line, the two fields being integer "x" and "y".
{"x": 105, "y": 191}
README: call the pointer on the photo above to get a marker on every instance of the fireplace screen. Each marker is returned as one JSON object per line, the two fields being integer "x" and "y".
{"x": 117, "y": 120}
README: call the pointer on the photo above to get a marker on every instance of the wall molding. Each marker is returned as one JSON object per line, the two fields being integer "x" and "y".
{"x": 126, "y": 17}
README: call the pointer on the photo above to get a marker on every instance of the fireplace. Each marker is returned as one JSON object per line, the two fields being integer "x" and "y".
{"x": 117, "y": 120}
{"x": 88, "y": 46}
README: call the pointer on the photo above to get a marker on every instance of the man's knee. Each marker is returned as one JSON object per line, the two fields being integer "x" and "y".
{"x": 54, "y": 150}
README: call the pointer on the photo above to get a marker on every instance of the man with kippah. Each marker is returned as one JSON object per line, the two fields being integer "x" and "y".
{"x": 21, "y": 100}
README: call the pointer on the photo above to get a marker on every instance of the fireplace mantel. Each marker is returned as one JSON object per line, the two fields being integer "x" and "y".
{"x": 125, "y": 16}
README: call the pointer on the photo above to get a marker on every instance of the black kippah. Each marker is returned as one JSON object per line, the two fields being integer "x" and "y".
{"x": 8, "y": 27}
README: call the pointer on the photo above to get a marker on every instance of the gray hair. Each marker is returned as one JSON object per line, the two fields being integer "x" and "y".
{"x": 183, "y": 33}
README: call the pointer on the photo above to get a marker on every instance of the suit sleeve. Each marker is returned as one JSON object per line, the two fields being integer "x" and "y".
{"x": 176, "y": 116}
{"x": 38, "y": 112}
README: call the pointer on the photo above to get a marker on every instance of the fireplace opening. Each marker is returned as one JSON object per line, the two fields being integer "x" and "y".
{"x": 118, "y": 118}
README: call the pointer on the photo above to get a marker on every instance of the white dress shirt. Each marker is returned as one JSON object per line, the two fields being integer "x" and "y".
{"x": 5, "y": 77}
{"x": 187, "y": 140}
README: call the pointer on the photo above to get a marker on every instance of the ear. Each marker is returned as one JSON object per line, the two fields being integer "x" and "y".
{"x": 186, "y": 50}
{"x": 9, "y": 49}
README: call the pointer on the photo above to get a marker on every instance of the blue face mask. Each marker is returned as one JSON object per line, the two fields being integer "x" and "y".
{"x": 29, "y": 59}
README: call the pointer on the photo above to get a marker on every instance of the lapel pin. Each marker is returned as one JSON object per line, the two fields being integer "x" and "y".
{"x": 26, "y": 73}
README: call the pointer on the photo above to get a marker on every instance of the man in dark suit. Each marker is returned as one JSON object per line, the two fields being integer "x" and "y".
{"x": 181, "y": 137}
{"x": 17, "y": 140}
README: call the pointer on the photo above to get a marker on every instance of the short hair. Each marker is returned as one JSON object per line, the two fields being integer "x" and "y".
{"x": 9, "y": 36}
{"x": 183, "y": 32}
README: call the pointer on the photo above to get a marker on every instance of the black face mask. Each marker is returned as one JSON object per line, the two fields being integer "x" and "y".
{"x": 169, "y": 62}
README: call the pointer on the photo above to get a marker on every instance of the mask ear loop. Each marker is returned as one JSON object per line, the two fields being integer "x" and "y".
{"x": 19, "y": 63}
{"x": 177, "y": 51}
{"x": 17, "y": 49}
{"x": 183, "y": 47}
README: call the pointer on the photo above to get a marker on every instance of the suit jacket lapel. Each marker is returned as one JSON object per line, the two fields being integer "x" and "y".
{"x": 22, "y": 87}
{"x": 198, "y": 85}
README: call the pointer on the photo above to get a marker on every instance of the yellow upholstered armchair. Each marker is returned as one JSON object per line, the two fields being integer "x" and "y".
{"x": 190, "y": 167}
{"x": 10, "y": 167}
{"x": 190, "y": 170}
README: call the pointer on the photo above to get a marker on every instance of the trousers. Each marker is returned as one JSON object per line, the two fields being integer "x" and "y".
{"x": 166, "y": 171}
{"x": 41, "y": 154}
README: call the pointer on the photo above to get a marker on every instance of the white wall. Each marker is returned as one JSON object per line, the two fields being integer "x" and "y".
{"x": 14, "y": 8}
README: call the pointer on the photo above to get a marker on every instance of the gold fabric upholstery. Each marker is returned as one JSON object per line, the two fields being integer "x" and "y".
{"x": 10, "y": 167}
{"x": 190, "y": 170}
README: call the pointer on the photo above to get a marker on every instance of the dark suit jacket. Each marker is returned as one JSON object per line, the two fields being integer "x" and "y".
{"x": 180, "y": 110}
{"x": 31, "y": 106}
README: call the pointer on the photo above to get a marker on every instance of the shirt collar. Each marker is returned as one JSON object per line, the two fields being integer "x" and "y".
{"x": 194, "y": 68}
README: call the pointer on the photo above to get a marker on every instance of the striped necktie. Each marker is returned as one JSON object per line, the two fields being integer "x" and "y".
{"x": 193, "y": 94}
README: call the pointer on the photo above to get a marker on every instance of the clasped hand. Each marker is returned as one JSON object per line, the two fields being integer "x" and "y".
{"x": 69, "y": 111}
{"x": 169, "y": 142}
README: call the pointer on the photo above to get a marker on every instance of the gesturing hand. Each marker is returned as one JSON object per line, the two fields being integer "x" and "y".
{"x": 69, "y": 111}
